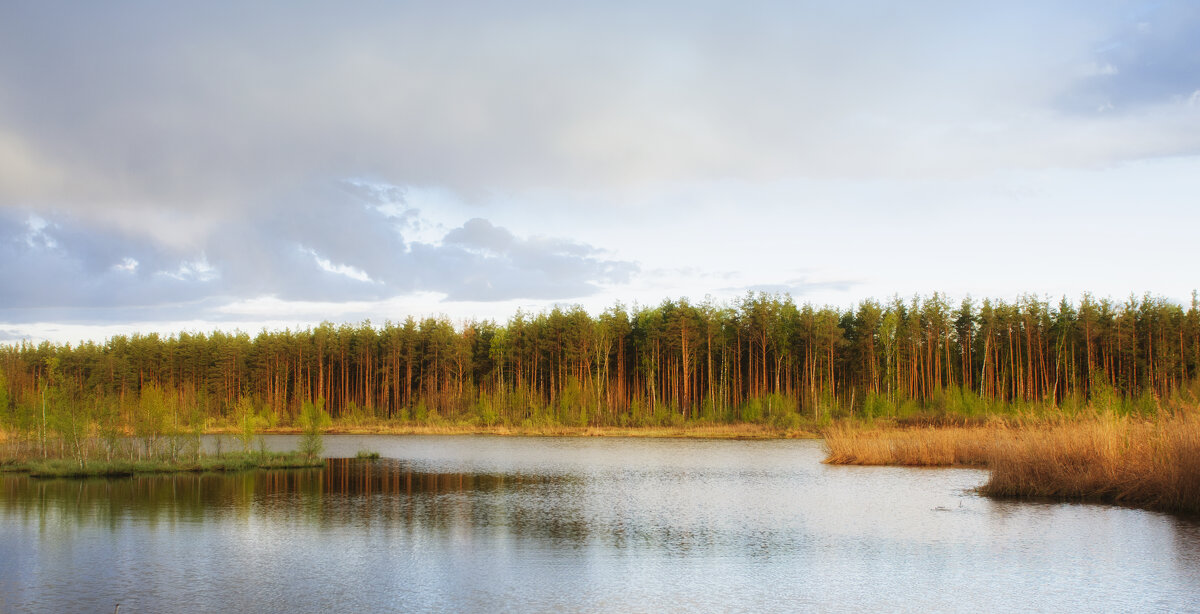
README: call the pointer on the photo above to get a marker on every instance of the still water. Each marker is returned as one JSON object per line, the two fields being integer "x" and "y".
{"x": 578, "y": 525}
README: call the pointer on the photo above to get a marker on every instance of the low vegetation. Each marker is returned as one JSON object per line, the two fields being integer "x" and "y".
{"x": 925, "y": 447}
{"x": 1151, "y": 463}
{"x": 233, "y": 461}
{"x": 313, "y": 420}
{"x": 690, "y": 430}
{"x": 155, "y": 442}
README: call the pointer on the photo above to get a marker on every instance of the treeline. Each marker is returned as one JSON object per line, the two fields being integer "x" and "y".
{"x": 762, "y": 357}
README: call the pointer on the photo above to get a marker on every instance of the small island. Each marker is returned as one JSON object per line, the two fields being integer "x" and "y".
{"x": 229, "y": 461}
{"x": 162, "y": 448}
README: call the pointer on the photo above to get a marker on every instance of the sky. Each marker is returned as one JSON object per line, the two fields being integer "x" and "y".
{"x": 170, "y": 167}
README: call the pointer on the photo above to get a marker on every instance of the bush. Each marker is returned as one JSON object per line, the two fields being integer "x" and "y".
{"x": 313, "y": 419}
{"x": 751, "y": 410}
{"x": 789, "y": 421}
{"x": 1103, "y": 396}
{"x": 487, "y": 415}
{"x": 877, "y": 406}
{"x": 249, "y": 422}
{"x": 420, "y": 413}
{"x": 1146, "y": 404}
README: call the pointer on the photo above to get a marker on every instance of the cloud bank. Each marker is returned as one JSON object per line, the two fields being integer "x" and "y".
{"x": 341, "y": 244}
{"x": 203, "y": 105}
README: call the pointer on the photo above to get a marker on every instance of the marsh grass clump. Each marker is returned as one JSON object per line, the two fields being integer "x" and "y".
{"x": 1107, "y": 457}
{"x": 367, "y": 455}
{"x": 923, "y": 447}
{"x": 1146, "y": 463}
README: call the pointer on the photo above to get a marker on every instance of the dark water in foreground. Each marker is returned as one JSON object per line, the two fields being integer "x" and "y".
{"x": 595, "y": 525}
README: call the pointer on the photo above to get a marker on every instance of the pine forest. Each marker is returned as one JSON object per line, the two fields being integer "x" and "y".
{"x": 760, "y": 359}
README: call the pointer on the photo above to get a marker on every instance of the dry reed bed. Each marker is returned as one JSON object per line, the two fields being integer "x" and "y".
{"x": 1147, "y": 464}
{"x": 1152, "y": 464}
{"x": 924, "y": 447}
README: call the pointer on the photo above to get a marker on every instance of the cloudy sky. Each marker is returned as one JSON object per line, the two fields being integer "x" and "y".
{"x": 185, "y": 166}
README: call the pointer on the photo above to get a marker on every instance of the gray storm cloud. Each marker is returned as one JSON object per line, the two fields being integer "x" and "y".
{"x": 207, "y": 104}
{"x": 326, "y": 245}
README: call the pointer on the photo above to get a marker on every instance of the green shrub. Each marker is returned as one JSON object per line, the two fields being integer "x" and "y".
{"x": 313, "y": 420}
{"x": 789, "y": 421}
{"x": 751, "y": 410}
{"x": 877, "y": 406}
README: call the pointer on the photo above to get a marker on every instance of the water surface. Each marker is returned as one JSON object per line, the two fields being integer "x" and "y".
{"x": 578, "y": 525}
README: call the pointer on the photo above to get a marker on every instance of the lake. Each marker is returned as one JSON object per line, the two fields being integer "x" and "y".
{"x": 495, "y": 524}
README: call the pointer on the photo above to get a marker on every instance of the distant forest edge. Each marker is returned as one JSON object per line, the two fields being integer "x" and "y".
{"x": 761, "y": 358}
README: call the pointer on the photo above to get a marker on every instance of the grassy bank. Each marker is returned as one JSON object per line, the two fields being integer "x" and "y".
{"x": 1153, "y": 464}
{"x": 233, "y": 461}
{"x": 690, "y": 430}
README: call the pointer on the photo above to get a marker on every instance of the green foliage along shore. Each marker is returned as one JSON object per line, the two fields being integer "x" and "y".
{"x": 762, "y": 359}
{"x": 233, "y": 461}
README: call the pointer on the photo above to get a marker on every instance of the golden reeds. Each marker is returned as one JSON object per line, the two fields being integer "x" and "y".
{"x": 1151, "y": 464}
{"x": 927, "y": 447}
{"x": 1146, "y": 463}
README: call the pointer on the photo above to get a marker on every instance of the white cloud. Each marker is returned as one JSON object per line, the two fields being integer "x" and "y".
{"x": 340, "y": 269}
{"x": 36, "y": 235}
{"x": 273, "y": 307}
{"x": 126, "y": 264}
{"x": 193, "y": 270}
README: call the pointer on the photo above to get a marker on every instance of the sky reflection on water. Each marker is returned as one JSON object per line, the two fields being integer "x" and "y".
{"x": 543, "y": 524}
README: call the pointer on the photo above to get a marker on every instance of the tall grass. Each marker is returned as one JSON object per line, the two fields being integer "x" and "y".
{"x": 928, "y": 447}
{"x": 1150, "y": 463}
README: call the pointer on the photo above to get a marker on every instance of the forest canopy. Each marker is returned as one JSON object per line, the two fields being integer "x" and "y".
{"x": 759, "y": 358}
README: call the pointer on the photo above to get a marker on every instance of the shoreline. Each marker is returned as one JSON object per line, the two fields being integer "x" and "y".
{"x": 732, "y": 431}
{"x": 228, "y": 462}
{"x": 1145, "y": 463}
